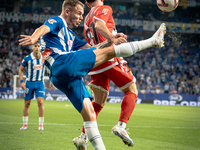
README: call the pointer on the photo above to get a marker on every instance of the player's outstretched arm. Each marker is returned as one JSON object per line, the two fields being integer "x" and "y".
{"x": 103, "y": 30}
{"x": 29, "y": 40}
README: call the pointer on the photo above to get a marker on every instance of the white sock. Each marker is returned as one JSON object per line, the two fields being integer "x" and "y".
{"x": 93, "y": 134}
{"x": 41, "y": 120}
{"x": 25, "y": 120}
{"x": 121, "y": 124}
{"x": 130, "y": 48}
{"x": 84, "y": 137}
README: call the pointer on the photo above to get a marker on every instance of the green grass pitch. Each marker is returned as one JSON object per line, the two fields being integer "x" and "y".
{"x": 151, "y": 127}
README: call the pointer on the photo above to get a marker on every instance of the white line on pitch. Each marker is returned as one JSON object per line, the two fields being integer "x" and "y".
{"x": 62, "y": 124}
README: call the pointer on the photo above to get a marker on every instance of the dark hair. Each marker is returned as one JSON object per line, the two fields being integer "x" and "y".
{"x": 71, "y": 3}
{"x": 90, "y": 1}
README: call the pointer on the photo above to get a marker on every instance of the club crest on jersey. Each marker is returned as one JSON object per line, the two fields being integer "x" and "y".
{"x": 51, "y": 21}
{"x": 105, "y": 11}
{"x": 73, "y": 37}
{"x": 70, "y": 43}
{"x": 38, "y": 67}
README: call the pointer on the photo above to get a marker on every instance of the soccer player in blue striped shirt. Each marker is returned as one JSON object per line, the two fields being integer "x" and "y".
{"x": 34, "y": 83}
{"x": 66, "y": 66}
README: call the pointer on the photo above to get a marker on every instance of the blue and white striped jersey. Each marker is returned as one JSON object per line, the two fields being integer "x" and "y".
{"x": 60, "y": 40}
{"x": 35, "y": 68}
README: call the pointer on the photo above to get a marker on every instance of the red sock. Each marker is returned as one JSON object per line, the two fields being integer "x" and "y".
{"x": 127, "y": 106}
{"x": 97, "y": 109}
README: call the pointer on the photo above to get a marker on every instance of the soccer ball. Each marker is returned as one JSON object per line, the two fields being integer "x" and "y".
{"x": 167, "y": 5}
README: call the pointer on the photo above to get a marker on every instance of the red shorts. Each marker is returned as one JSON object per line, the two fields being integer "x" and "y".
{"x": 120, "y": 75}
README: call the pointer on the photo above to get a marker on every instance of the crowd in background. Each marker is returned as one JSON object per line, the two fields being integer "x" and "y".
{"x": 11, "y": 54}
{"x": 122, "y": 10}
{"x": 167, "y": 70}
{"x": 172, "y": 69}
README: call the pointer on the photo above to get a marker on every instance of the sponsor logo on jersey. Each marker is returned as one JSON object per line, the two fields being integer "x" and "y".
{"x": 51, "y": 21}
{"x": 38, "y": 67}
{"x": 105, "y": 11}
{"x": 46, "y": 53}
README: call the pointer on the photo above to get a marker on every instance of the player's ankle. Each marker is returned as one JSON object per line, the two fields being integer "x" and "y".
{"x": 121, "y": 124}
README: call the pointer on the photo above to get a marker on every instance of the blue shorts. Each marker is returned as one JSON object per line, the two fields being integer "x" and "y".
{"x": 34, "y": 86}
{"x": 67, "y": 72}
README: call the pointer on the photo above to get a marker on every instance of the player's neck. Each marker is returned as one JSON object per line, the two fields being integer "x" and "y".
{"x": 36, "y": 55}
{"x": 65, "y": 18}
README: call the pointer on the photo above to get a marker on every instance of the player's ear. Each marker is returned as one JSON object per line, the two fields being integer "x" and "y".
{"x": 67, "y": 11}
{"x": 88, "y": 4}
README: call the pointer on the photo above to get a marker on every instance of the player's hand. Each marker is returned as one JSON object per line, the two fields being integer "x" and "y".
{"x": 23, "y": 85}
{"x": 121, "y": 35}
{"x": 27, "y": 40}
{"x": 119, "y": 38}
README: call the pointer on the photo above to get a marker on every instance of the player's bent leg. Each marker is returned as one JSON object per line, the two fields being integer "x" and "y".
{"x": 90, "y": 125}
{"x": 131, "y": 88}
{"x": 98, "y": 103}
{"x": 124, "y": 79}
{"x": 84, "y": 106}
{"x": 128, "y": 103}
{"x": 103, "y": 55}
{"x": 88, "y": 114}
{"x": 127, "y": 107}
{"x": 87, "y": 111}
{"x": 130, "y": 48}
{"x": 100, "y": 96}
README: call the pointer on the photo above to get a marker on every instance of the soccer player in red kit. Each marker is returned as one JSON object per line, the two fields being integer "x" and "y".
{"x": 99, "y": 26}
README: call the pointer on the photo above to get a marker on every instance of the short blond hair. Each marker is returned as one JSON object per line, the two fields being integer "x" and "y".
{"x": 71, "y": 3}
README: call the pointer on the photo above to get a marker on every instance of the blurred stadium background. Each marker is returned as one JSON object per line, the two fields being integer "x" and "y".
{"x": 166, "y": 76}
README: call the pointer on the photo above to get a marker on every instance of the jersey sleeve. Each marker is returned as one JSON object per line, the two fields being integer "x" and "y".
{"x": 52, "y": 22}
{"x": 78, "y": 43}
{"x": 24, "y": 62}
{"x": 104, "y": 13}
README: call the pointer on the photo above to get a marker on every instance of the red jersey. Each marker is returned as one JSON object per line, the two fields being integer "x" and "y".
{"x": 104, "y": 14}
